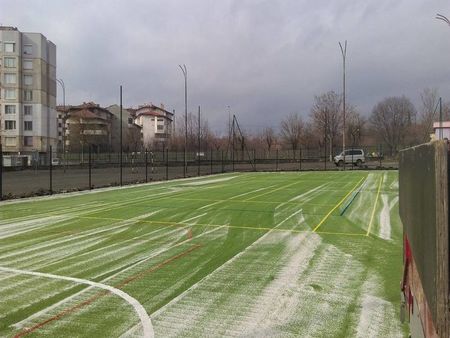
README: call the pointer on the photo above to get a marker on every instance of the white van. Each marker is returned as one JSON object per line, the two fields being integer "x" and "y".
{"x": 353, "y": 156}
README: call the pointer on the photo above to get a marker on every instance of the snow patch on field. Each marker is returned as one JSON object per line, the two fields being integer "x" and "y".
{"x": 202, "y": 182}
{"x": 16, "y": 228}
{"x": 276, "y": 305}
{"x": 377, "y": 317}
{"x": 385, "y": 218}
{"x": 310, "y": 194}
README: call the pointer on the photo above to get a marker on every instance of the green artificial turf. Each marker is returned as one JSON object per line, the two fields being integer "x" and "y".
{"x": 256, "y": 254}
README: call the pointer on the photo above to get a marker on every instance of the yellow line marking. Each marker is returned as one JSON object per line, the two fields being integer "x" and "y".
{"x": 374, "y": 207}
{"x": 341, "y": 233}
{"x": 337, "y": 205}
{"x": 271, "y": 191}
{"x": 240, "y": 201}
{"x": 225, "y": 225}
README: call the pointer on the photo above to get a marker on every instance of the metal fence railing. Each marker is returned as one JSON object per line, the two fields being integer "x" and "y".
{"x": 28, "y": 175}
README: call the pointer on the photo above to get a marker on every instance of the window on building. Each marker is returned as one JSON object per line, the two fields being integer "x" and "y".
{"x": 10, "y": 125}
{"x": 152, "y": 119}
{"x": 28, "y": 125}
{"x": 160, "y": 120}
{"x": 10, "y": 94}
{"x": 27, "y": 49}
{"x": 28, "y": 95}
{"x": 27, "y": 64}
{"x": 28, "y": 80}
{"x": 10, "y": 109}
{"x": 10, "y": 62}
{"x": 10, "y": 47}
{"x": 10, "y": 141}
{"x": 130, "y": 120}
{"x": 28, "y": 141}
{"x": 10, "y": 78}
{"x": 27, "y": 110}
{"x": 159, "y": 127}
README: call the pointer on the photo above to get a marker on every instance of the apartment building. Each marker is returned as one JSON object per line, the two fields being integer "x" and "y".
{"x": 156, "y": 123}
{"x": 27, "y": 92}
{"x": 86, "y": 125}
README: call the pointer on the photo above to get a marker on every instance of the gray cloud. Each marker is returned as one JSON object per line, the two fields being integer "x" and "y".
{"x": 265, "y": 59}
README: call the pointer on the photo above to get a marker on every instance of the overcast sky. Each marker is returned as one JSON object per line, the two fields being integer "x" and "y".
{"x": 263, "y": 58}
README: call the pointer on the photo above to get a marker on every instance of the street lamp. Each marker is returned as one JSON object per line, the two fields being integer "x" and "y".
{"x": 447, "y": 21}
{"x": 184, "y": 70}
{"x": 344, "y": 54}
{"x": 63, "y": 86}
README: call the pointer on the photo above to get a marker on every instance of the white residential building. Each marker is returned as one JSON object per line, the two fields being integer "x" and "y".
{"x": 156, "y": 123}
{"x": 27, "y": 92}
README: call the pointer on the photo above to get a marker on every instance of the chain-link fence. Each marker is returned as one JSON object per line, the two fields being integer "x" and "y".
{"x": 28, "y": 175}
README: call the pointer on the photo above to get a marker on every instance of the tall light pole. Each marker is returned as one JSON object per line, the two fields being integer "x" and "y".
{"x": 447, "y": 21}
{"x": 344, "y": 55}
{"x": 184, "y": 70}
{"x": 63, "y": 86}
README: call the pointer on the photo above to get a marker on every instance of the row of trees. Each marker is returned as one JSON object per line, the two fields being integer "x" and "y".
{"x": 393, "y": 122}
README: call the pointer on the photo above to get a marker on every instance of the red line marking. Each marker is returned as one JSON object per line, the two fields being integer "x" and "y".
{"x": 104, "y": 293}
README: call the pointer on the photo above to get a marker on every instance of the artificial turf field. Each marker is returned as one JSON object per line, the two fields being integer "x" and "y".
{"x": 309, "y": 254}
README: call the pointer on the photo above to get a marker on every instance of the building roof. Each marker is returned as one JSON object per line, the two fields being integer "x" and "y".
{"x": 85, "y": 114}
{"x": 152, "y": 110}
{"x": 445, "y": 124}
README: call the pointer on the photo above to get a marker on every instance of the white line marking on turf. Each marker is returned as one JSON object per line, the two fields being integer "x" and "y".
{"x": 136, "y": 263}
{"x": 142, "y": 314}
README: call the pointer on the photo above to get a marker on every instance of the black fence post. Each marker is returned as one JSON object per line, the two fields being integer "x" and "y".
{"x": 211, "y": 160}
{"x": 51, "y": 171}
{"x": 300, "y": 158}
{"x": 379, "y": 154}
{"x": 232, "y": 160}
{"x": 146, "y": 165}
{"x": 223, "y": 169}
{"x": 276, "y": 161}
{"x": 1, "y": 170}
{"x": 198, "y": 163}
{"x": 185, "y": 164}
{"x": 90, "y": 166}
{"x": 167, "y": 164}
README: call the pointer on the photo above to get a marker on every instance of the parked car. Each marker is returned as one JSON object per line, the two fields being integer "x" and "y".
{"x": 56, "y": 161}
{"x": 353, "y": 156}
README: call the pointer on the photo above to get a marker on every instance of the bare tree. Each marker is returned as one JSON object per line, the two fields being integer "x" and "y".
{"x": 429, "y": 98}
{"x": 326, "y": 117}
{"x": 355, "y": 126}
{"x": 291, "y": 131}
{"x": 269, "y": 137}
{"x": 392, "y": 120}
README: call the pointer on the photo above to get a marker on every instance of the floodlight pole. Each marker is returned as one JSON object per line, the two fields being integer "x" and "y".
{"x": 344, "y": 55}
{"x": 184, "y": 71}
{"x": 120, "y": 148}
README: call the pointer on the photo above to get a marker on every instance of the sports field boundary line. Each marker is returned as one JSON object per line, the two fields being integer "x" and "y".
{"x": 181, "y": 225}
{"x": 374, "y": 206}
{"x": 337, "y": 205}
{"x": 139, "y": 309}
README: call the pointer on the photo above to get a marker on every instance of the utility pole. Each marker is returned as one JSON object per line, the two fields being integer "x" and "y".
{"x": 344, "y": 55}
{"x": 120, "y": 148}
{"x": 184, "y": 71}
{"x": 199, "y": 130}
